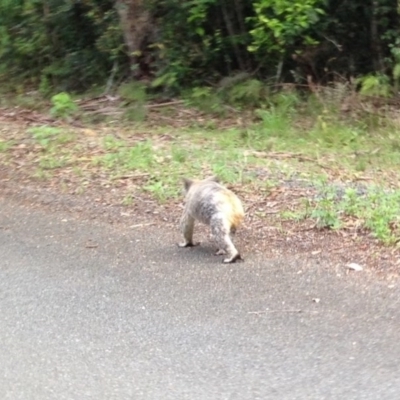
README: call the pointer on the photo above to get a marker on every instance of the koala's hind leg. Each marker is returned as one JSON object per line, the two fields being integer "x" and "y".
{"x": 187, "y": 226}
{"x": 221, "y": 234}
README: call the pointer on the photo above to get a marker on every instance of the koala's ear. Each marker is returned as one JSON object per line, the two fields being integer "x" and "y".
{"x": 187, "y": 183}
{"x": 213, "y": 179}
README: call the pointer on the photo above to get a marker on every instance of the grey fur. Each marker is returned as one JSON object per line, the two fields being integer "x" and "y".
{"x": 211, "y": 203}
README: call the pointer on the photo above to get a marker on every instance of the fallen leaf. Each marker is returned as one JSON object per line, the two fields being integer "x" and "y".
{"x": 316, "y": 300}
{"x": 354, "y": 266}
{"x": 89, "y": 132}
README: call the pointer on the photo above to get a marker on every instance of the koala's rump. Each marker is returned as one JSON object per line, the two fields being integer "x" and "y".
{"x": 213, "y": 201}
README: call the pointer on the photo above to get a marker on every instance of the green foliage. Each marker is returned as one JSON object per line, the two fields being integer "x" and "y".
{"x": 285, "y": 102}
{"x": 58, "y": 45}
{"x": 205, "y": 99}
{"x": 138, "y": 157}
{"x": 287, "y": 39}
{"x": 128, "y": 200}
{"x": 134, "y": 98}
{"x": 179, "y": 154}
{"x": 200, "y": 41}
{"x": 274, "y": 123}
{"x": 325, "y": 210}
{"x": 52, "y": 161}
{"x": 227, "y": 173}
{"x": 379, "y": 211}
{"x": 133, "y": 92}
{"x": 63, "y": 105}
{"x": 162, "y": 190}
{"x": 135, "y": 113}
{"x": 277, "y": 24}
{"x": 250, "y": 93}
{"x": 395, "y": 52}
{"x": 277, "y": 117}
{"x": 373, "y": 208}
{"x": 375, "y": 85}
{"x": 331, "y": 133}
{"x": 70, "y": 46}
{"x": 111, "y": 143}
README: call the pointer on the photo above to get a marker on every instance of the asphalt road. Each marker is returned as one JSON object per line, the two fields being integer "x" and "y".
{"x": 95, "y": 311}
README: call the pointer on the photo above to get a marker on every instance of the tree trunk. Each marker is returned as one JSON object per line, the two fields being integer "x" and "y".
{"x": 137, "y": 27}
{"x": 377, "y": 53}
{"x": 231, "y": 30}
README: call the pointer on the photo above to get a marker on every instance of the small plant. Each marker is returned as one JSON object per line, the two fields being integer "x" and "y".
{"x": 5, "y": 145}
{"x": 80, "y": 189}
{"x": 134, "y": 98}
{"x": 206, "y": 100}
{"x": 324, "y": 210}
{"x": 44, "y": 135}
{"x": 326, "y": 214}
{"x": 111, "y": 143}
{"x": 133, "y": 92}
{"x": 135, "y": 113}
{"x": 42, "y": 174}
{"x": 374, "y": 208}
{"x": 179, "y": 154}
{"x": 329, "y": 133}
{"x": 52, "y": 161}
{"x": 162, "y": 190}
{"x": 139, "y": 157}
{"x": 249, "y": 93}
{"x": 294, "y": 215}
{"x": 273, "y": 123}
{"x": 378, "y": 209}
{"x": 224, "y": 172}
{"x": 375, "y": 85}
{"x": 286, "y": 102}
{"x": 350, "y": 202}
{"x": 127, "y": 200}
{"x": 63, "y": 105}
{"x": 276, "y": 120}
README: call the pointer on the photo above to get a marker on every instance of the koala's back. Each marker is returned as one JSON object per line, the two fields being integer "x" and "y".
{"x": 207, "y": 200}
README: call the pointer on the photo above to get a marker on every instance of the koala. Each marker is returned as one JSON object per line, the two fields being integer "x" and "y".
{"x": 211, "y": 203}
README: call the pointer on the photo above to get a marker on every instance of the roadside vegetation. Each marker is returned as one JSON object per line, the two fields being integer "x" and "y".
{"x": 349, "y": 160}
{"x": 292, "y": 103}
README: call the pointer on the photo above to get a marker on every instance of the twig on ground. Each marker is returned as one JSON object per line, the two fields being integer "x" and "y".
{"x": 297, "y": 156}
{"x": 308, "y": 228}
{"x": 142, "y": 225}
{"x": 133, "y": 176}
{"x": 294, "y": 311}
{"x": 170, "y": 103}
{"x": 275, "y": 311}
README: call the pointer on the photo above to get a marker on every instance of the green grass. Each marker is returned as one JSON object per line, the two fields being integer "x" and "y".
{"x": 47, "y": 136}
{"x": 189, "y": 154}
{"x": 5, "y": 145}
{"x": 121, "y": 158}
{"x": 53, "y": 161}
{"x": 371, "y": 208}
{"x": 127, "y": 200}
{"x": 164, "y": 189}
{"x": 278, "y": 128}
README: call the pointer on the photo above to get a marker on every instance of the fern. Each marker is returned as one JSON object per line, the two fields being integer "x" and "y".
{"x": 249, "y": 92}
{"x": 374, "y": 85}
